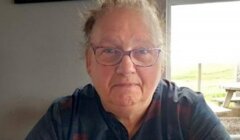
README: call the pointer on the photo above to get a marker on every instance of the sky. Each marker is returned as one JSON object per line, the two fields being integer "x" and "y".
{"x": 205, "y": 33}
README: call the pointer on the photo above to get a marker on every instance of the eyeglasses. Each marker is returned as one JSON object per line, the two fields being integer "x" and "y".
{"x": 143, "y": 57}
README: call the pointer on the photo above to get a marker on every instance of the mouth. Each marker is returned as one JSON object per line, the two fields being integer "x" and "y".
{"x": 125, "y": 85}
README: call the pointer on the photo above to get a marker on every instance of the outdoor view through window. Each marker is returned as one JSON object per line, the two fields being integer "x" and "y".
{"x": 205, "y": 50}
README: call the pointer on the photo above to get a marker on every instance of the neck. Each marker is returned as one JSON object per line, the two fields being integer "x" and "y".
{"x": 132, "y": 122}
{"x": 131, "y": 116}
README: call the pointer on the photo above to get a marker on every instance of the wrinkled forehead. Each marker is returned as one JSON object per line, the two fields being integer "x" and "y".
{"x": 124, "y": 23}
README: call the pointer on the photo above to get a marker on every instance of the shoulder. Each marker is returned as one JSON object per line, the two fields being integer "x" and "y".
{"x": 64, "y": 108}
{"x": 179, "y": 94}
{"x": 63, "y": 114}
{"x": 197, "y": 120}
{"x": 182, "y": 103}
{"x": 79, "y": 95}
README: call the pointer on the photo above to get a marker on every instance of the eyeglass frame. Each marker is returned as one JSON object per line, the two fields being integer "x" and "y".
{"x": 123, "y": 53}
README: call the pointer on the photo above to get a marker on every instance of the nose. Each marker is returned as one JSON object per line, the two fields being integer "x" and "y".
{"x": 126, "y": 66}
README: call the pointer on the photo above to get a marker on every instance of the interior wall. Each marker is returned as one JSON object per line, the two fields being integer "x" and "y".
{"x": 40, "y": 60}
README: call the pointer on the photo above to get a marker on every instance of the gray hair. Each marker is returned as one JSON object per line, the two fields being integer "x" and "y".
{"x": 148, "y": 8}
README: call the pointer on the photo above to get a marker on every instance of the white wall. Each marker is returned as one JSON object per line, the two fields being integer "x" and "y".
{"x": 39, "y": 60}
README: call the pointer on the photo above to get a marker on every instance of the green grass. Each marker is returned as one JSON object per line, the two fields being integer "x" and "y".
{"x": 213, "y": 75}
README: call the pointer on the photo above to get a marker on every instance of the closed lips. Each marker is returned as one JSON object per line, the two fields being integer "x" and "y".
{"x": 125, "y": 84}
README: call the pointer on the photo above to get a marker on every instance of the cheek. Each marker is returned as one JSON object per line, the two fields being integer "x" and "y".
{"x": 95, "y": 70}
{"x": 153, "y": 73}
{"x": 101, "y": 76}
{"x": 151, "y": 77}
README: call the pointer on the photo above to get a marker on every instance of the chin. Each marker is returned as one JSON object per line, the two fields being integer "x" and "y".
{"x": 126, "y": 90}
{"x": 125, "y": 101}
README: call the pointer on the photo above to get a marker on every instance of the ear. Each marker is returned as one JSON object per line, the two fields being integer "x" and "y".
{"x": 88, "y": 62}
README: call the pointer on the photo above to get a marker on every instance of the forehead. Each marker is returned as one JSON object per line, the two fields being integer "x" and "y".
{"x": 122, "y": 25}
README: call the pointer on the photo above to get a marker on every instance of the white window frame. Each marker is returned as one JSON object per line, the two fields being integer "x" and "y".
{"x": 170, "y": 3}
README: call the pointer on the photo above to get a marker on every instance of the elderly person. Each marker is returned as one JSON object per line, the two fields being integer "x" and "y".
{"x": 127, "y": 99}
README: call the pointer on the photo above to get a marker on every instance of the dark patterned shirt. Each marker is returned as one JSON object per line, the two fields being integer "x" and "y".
{"x": 174, "y": 114}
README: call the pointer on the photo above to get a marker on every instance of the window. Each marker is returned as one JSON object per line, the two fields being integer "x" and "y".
{"x": 204, "y": 48}
{"x": 206, "y": 34}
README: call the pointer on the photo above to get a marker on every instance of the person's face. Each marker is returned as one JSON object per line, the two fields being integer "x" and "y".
{"x": 123, "y": 84}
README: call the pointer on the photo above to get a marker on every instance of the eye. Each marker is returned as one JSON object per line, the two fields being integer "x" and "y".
{"x": 109, "y": 50}
{"x": 142, "y": 51}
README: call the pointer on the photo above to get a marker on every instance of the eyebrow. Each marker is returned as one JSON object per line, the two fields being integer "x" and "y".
{"x": 112, "y": 41}
{"x": 116, "y": 42}
{"x": 143, "y": 44}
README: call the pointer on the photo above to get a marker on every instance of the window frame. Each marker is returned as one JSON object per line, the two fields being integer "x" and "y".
{"x": 170, "y": 3}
